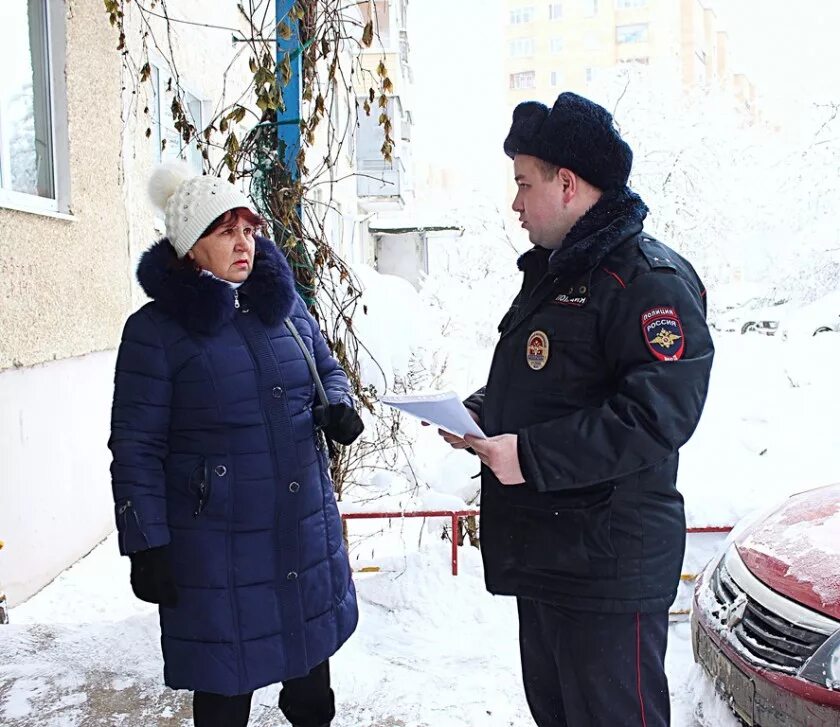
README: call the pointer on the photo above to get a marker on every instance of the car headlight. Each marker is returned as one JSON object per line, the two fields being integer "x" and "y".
{"x": 823, "y": 667}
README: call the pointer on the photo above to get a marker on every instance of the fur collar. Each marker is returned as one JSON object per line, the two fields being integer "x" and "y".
{"x": 611, "y": 221}
{"x": 203, "y": 303}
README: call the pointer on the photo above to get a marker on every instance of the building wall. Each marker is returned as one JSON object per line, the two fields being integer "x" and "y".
{"x": 64, "y": 282}
{"x": 65, "y": 293}
{"x": 54, "y": 481}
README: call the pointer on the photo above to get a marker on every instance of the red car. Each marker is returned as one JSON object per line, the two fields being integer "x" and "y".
{"x": 766, "y": 618}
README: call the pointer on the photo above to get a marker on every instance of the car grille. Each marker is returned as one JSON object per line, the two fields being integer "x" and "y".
{"x": 767, "y": 638}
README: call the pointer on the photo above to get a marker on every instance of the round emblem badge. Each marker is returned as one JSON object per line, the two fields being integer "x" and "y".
{"x": 537, "y": 351}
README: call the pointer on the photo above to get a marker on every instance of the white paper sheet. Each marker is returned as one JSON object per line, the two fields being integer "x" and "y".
{"x": 443, "y": 409}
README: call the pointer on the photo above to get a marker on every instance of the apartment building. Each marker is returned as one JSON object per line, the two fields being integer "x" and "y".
{"x": 556, "y": 46}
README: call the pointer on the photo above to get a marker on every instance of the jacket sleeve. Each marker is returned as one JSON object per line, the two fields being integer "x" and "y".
{"x": 333, "y": 377}
{"x": 475, "y": 401}
{"x": 657, "y": 399}
{"x": 139, "y": 436}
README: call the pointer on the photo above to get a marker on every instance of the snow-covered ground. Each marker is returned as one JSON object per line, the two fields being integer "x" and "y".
{"x": 433, "y": 650}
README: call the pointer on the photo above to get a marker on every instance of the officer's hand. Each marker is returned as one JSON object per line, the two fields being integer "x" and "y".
{"x": 500, "y": 455}
{"x": 453, "y": 440}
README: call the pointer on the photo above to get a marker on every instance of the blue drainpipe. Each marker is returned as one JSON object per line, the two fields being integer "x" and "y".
{"x": 288, "y": 121}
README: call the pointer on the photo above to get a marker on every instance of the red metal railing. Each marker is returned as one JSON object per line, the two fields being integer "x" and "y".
{"x": 456, "y": 516}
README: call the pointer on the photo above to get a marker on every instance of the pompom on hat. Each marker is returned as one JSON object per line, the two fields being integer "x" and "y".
{"x": 191, "y": 202}
{"x": 575, "y": 133}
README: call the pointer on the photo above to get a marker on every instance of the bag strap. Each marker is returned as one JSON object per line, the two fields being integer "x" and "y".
{"x": 313, "y": 369}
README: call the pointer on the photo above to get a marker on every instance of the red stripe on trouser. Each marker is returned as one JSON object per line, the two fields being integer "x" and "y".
{"x": 639, "y": 667}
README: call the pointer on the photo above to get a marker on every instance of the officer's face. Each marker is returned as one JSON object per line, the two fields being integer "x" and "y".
{"x": 542, "y": 201}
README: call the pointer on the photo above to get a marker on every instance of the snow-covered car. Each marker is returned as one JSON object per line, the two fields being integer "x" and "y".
{"x": 766, "y": 615}
{"x": 821, "y": 316}
{"x": 762, "y": 320}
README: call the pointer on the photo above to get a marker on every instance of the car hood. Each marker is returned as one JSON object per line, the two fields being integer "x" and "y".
{"x": 796, "y": 550}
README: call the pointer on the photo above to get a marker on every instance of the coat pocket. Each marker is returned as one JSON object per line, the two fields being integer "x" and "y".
{"x": 557, "y": 538}
{"x": 197, "y": 488}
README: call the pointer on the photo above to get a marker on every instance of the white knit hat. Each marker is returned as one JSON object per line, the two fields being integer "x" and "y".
{"x": 191, "y": 203}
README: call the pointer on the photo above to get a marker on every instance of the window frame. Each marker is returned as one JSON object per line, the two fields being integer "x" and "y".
{"x": 518, "y": 15}
{"x": 645, "y": 38}
{"x": 522, "y": 74}
{"x": 159, "y": 67}
{"x": 526, "y": 44}
{"x": 54, "y": 34}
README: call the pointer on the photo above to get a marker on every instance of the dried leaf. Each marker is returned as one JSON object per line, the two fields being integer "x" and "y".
{"x": 387, "y": 85}
{"x": 285, "y": 31}
{"x": 367, "y": 34}
{"x": 381, "y": 69}
{"x": 252, "y": 64}
{"x": 383, "y": 101}
{"x": 371, "y": 95}
{"x": 366, "y": 107}
{"x": 286, "y": 70}
{"x": 145, "y": 72}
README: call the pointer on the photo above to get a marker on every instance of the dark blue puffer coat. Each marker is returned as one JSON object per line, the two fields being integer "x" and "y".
{"x": 215, "y": 453}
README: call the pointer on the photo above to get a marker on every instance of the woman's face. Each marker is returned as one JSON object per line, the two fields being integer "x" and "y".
{"x": 228, "y": 251}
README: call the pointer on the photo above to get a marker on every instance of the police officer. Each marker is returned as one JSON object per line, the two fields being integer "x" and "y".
{"x": 599, "y": 377}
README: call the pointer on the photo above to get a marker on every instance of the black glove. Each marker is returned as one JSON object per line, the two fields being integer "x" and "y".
{"x": 339, "y": 422}
{"x": 151, "y": 576}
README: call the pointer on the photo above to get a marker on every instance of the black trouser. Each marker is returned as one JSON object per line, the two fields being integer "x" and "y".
{"x": 586, "y": 669}
{"x": 306, "y": 702}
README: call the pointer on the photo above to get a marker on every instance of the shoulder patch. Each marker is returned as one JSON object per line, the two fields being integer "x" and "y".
{"x": 663, "y": 333}
{"x": 658, "y": 256}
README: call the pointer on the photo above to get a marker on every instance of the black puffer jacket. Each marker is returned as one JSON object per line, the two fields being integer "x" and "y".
{"x": 602, "y": 370}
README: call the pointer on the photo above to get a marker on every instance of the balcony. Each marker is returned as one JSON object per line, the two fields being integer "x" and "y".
{"x": 381, "y": 185}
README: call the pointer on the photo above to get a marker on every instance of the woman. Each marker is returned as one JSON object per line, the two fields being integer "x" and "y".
{"x": 223, "y": 497}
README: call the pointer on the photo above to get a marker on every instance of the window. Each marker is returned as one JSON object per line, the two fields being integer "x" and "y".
{"x": 526, "y": 79}
{"x": 624, "y": 4}
{"x": 556, "y": 78}
{"x": 519, "y": 16}
{"x": 522, "y": 47}
{"x": 555, "y": 11}
{"x": 589, "y": 74}
{"x": 33, "y": 133}
{"x": 168, "y": 142}
{"x": 556, "y": 45}
{"x": 590, "y": 8}
{"x": 637, "y": 33}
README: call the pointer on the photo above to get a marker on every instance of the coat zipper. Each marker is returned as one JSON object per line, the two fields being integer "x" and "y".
{"x": 203, "y": 491}
{"x": 123, "y": 510}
